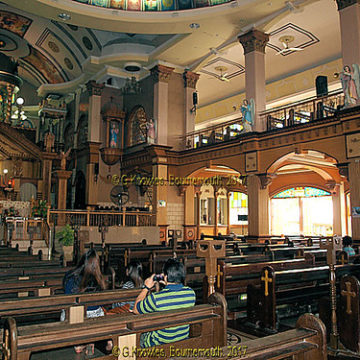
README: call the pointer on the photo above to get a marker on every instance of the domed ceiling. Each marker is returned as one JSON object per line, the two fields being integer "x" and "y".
{"x": 153, "y": 5}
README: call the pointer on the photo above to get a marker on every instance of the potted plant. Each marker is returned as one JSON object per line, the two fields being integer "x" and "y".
{"x": 66, "y": 238}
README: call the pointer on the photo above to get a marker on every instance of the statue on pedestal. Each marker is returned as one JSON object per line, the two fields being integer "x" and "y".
{"x": 350, "y": 81}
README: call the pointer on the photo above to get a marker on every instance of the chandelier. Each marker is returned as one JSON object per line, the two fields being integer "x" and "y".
{"x": 131, "y": 87}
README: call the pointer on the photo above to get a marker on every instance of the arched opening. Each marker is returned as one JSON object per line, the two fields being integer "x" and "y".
{"x": 307, "y": 195}
{"x": 302, "y": 210}
{"x": 221, "y": 204}
{"x": 27, "y": 192}
{"x": 80, "y": 191}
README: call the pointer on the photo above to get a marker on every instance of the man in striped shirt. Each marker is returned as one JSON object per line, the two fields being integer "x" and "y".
{"x": 174, "y": 296}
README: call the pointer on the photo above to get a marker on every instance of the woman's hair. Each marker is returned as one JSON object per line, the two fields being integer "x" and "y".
{"x": 347, "y": 240}
{"x": 134, "y": 273}
{"x": 89, "y": 271}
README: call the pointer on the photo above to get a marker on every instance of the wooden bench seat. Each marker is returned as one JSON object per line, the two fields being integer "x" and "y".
{"x": 306, "y": 342}
{"x": 207, "y": 329}
{"x": 38, "y": 286}
{"x": 299, "y": 287}
{"x": 48, "y": 308}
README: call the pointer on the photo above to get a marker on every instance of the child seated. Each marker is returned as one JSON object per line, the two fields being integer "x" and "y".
{"x": 347, "y": 242}
{"x": 133, "y": 280}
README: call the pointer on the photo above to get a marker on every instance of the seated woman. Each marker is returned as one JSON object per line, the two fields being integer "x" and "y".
{"x": 347, "y": 245}
{"x": 133, "y": 280}
{"x": 87, "y": 277}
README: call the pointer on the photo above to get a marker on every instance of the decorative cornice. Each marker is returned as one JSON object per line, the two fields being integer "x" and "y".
{"x": 254, "y": 40}
{"x": 161, "y": 73}
{"x": 190, "y": 79}
{"x": 265, "y": 180}
{"x": 94, "y": 88}
{"x": 342, "y": 4}
{"x": 330, "y": 185}
{"x": 343, "y": 169}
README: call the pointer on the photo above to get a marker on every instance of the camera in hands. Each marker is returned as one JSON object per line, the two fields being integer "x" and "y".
{"x": 158, "y": 277}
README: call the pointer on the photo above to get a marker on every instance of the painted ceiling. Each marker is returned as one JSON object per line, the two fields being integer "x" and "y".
{"x": 98, "y": 42}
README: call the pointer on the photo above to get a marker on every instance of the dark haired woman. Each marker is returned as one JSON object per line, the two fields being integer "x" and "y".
{"x": 87, "y": 277}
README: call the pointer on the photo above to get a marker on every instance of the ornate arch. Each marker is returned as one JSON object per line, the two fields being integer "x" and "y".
{"x": 137, "y": 126}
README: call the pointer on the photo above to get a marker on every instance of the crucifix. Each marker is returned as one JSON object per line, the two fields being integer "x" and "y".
{"x": 103, "y": 229}
{"x": 349, "y": 294}
{"x": 267, "y": 280}
{"x": 331, "y": 245}
{"x": 211, "y": 250}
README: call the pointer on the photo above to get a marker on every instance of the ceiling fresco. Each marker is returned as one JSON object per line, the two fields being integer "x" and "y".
{"x": 153, "y": 5}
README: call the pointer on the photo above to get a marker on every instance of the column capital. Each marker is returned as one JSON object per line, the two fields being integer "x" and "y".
{"x": 190, "y": 79}
{"x": 254, "y": 40}
{"x": 265, "y": 180}
{"x": 63, "y": 174}
{"x": 161, "y": 73}
{"x": 342, "y": 4}
{"x": 94, "y": 88}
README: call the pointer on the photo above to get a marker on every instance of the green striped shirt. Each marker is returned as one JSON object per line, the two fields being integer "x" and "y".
{"x": 173, "y": 296}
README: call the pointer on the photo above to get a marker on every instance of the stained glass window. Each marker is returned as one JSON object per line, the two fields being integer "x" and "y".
{"x": 301, "y": 191}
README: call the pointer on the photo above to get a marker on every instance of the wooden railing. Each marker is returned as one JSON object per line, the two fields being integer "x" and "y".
{"x": 312, "y": 109}
{"x": 214, "y": 134}
{"x": 100, "y": 217}
{"x": 25, "y": 229}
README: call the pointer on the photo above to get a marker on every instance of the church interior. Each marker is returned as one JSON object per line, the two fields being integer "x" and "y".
{"x": 221, "y": 134}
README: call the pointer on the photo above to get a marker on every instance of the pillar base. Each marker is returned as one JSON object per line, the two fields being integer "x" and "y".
{"x": 189, "y": 232}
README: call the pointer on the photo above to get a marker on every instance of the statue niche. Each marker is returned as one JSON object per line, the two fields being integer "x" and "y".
{"x": 140, "y": 128}
{"x": 114, "y": 118}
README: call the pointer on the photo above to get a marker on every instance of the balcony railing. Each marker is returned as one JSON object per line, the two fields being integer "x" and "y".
{"x": 99, "y": 217}
{"x": 301, "y": 112}
{"x": 214, "y": 134}
{"x": 311, "y": 109}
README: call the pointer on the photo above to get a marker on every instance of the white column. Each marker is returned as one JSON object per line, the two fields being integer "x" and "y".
{"x": 161, "y": 75}
{"x": 94, "y": 120}
{"x": 190, "y": 80}
{"x": 349, "y": 12}
{"x": 339, "y": 210}
{"x": 258, "y": 204}
{"x": 254, "y": 43}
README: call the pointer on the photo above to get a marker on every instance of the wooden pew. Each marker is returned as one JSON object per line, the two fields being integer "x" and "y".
{"x": 36, "y": 309}
{"x": 38, "y": 286}
{"x": 300, "y": 287}
{"x": 233, "y": 280}
{"x": 306, "y": 342}
{"x": 207, "y": 329}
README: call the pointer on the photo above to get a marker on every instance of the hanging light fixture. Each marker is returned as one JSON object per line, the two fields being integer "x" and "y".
{"x": 9, "y": 85}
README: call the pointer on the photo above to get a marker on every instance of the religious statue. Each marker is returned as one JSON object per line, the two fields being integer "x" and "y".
{"x": 63, "y": 158}
{"x": 248, "y": 110}
{"x": 350, "y": 81}
{"x": 49, "y": 141}
{"x": 150, "y": 126}
{"x": 114, "y": 131}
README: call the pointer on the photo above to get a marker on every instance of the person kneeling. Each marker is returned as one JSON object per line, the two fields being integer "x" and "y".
{"x": 174, "y": 296}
